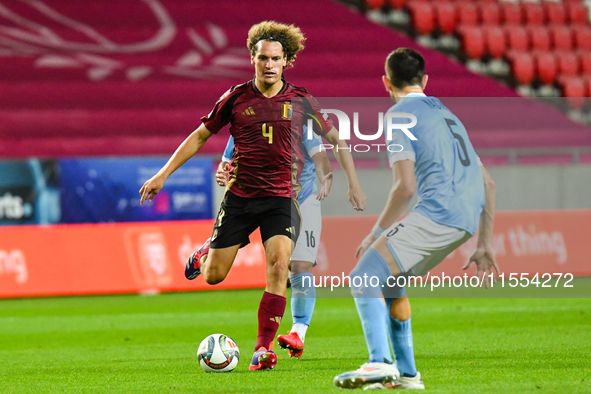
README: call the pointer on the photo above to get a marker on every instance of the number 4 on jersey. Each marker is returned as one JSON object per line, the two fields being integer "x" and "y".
{"x": 268, "y": 132}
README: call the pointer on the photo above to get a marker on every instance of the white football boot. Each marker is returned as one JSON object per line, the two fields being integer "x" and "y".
{"x": 367, "y": 373}
{"x": 403, "y": 382}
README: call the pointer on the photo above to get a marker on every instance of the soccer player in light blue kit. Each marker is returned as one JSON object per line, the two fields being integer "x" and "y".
{"x": 303, "y": 257}
{"x": 456, "y": 197}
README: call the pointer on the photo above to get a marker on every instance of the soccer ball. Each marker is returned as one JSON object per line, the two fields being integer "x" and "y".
{"x": 218, "y": 353}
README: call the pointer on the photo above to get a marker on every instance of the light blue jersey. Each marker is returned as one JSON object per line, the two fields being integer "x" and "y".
{"x": 450, "y": 185}
{"x": 308, "y": 176}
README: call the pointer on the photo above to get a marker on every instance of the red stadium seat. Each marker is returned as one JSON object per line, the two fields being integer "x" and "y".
{"x": 540, "y": 37}
{"x": 375, "y": 4}
{"x": 517, "y": 37}
{"x": 473, "y": 42}
{"x": 574, "y": 89}
{"x": 490, "y": 13}
{"x": 585, "y": 58}
{"x": 577, "y": 12}
{"x": 546, "y": 66}
{"x": 495, "y": 41}
{"x": 568, "y": 63}
{"x": 555, "y": 12}
{"x": 522, "y": 67}
{"x": 582, "y": 35}
{"x": 533, "y": 12}
{"x": 467, "y": 13}
{"x": 511, "y": 13}
{"x": 422, "y": 17}
{"x": 446, "y": 17}
{"x": 561, "y": 37}
{"x": 397, "y": 4}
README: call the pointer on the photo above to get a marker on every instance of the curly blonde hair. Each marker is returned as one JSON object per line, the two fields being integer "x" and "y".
{"x": 289, "y": 36}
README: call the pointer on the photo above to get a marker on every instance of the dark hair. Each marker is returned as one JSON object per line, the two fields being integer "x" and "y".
{"x": 289, "y": 36}
{"x": 405, "y": 67}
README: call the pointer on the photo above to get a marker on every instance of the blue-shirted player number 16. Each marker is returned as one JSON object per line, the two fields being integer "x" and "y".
{"x": 464, "y": 160}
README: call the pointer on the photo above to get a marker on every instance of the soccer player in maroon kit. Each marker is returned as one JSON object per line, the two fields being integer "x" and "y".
{"x": 263, "y": 185}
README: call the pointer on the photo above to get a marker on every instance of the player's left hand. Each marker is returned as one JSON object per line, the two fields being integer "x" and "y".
{"x": 223, "y": 173}
{"x": 326, "y": 184}
{"x": 365, "y": 244}
{"x": 357, "y": 198}
{"x": 485, "y": 261}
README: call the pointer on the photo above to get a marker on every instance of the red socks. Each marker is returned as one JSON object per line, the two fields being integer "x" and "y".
{"x": 271, "y": 311}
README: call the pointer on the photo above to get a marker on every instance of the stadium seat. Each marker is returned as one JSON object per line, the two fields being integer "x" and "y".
{"x": 585, "y": 59}
{"x": 495, "y": 41}
{"x": 522, "y": 66}
{"x": 540, "y": 37}
{"x": 561, "y": 37}
{"x": 517, "y": 37}
{"x": 582, "y": 35}
{"x": 446, "y": 17}
{"x": 574, "y": 89}
{"x": 490, "y": 13}
{"x": 473, "y": 42}
{"x": 577, "y": 12}
{"x": 467, "y": 13}
{"x": 422, "y": 17}
{"x": 375, "y": 4}
{"x": 397, "y": 4}
{"x": 533, "y": 12}
{"x": 511, "y": 13}
{"x": 555, "y": 12}
{"x": 546, "y": 67}
{"x": 568, "y": 63}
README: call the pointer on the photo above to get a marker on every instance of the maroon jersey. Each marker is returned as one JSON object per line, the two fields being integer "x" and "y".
{"x": 267, "y": 135}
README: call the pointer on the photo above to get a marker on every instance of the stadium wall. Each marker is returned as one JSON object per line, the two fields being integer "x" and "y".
{"x": 150, "y": 257}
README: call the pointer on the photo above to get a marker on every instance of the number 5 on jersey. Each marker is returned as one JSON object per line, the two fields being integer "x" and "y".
{"x": 268, "y": 132}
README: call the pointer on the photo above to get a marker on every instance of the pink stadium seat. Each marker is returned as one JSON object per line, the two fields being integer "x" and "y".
{"x": 522, "y": 67}
{"x": 585, "y": 58}
{"x": 577, "y": 12}
{"x": 533, "y": 12}
{"x": 446, "y": 17}
{"x": 540, "y": 37}
{"x": 582, "y": 35}
{"x": 574, "y": 89}
{"x": 561, "y": 37}
{"x": 511, "y": 13}
{"x": 555, "y": 12}
{"x": 495, "y": 41}
{"x": 490, "y": 13}
{"x": 517, "y": 37}
{"x": 422, "y": 17}
{"x": 546, "y": 66}
{"x": 473, "y": 42}
{"x": 467, "y": 13}
{"x": 568, "y": 63}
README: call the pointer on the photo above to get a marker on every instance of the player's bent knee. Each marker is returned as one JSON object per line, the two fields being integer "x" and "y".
{"x": 400, "y": 309}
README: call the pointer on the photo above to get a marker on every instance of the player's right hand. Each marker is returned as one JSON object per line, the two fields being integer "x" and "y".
{"x": 151, "y": 188}
{"x": 223, "y": 173}
{"x": 484, "y": 258}
{"x": 357, "y": 198}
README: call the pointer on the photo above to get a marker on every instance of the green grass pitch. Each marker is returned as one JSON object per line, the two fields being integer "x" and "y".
{"x": 148, "y": 344}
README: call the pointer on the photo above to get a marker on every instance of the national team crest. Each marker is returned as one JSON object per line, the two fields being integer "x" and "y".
{"x": 287, "y": 111}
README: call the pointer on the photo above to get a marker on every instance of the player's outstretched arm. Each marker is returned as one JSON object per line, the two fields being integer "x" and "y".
{"x": 323, "y": 172}
{"x": 483, "y": 256}
{"x": 403, "y": 189}
{"x": 343, "y": 155}
{"x": 191, "y": 145}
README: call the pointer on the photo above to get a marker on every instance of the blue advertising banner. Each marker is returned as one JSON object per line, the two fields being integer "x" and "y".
{"x": 107, "y": 190}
